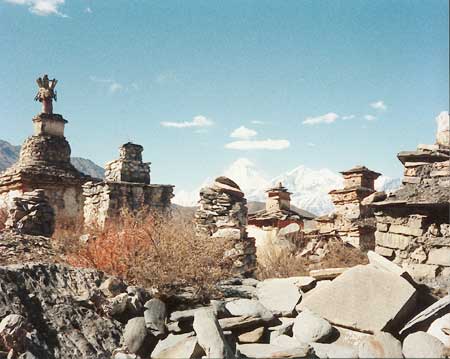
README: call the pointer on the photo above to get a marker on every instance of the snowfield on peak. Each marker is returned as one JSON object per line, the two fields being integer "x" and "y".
{"x": 309, "y": 187}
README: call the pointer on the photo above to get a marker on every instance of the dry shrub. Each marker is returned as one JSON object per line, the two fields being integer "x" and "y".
{"x": 280, "y": 264}
{"x": 274, "y": 263}
{"x": 154, "y": 251}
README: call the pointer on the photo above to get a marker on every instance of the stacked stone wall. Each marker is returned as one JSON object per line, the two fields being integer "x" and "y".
{"x": 222, "y": 213}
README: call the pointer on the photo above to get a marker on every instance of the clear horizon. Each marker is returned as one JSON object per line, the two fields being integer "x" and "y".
{"x": 324, "y": 84}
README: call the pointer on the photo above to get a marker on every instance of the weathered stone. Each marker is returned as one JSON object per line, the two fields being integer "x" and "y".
{"x": 381, "y": 345}
{"x": 423, "y": 320}
{"x": 240, "y": 323}
{"x": 13, "y": 331}
{"x": 248, "y": 307}
{"x": 229, "y": 233}
{"x": 253, "y": 336}
{"x": 118, "y": 304}
{"x": 327, "y": 273}
{"x": 155, "y": 316}
{"x": 178, "y": 346}
{"x": 112, "y": 287}
{"x": 423, "y": 345}
{"x": 284, "y": 341}
{"x": 439, "y": 256}
{"x": 273, "y": 351}
{"x": 385, "y": 252}
{"x": 406, "y": 230}
{"x": 391, "y": 297}
{"x": 421, "y": 271}
{"x": 284, "y": 328}
{"x": 136, "y": 337}
{"x": 210, "y": 336}
{"x": 440, "y": 329}
{"x": 391, "y": 240}
{"x": 279, "y": 295}
{"x": 309, "y": 327}
{"x": 382, "y": 227}
{"x": 335, "y": 350}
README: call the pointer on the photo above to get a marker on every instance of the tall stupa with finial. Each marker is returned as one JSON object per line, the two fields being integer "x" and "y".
{"x": 44, "y": 161}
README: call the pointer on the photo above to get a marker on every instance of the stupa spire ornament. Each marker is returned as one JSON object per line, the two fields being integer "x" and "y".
{"x": 46, "y": 93}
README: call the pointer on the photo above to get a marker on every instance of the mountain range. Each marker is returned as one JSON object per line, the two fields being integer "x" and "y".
{"x": 9, "y": 154}
{"x": 309, "y": 187}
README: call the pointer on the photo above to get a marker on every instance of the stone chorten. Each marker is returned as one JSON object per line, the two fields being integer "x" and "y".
{"x": 222, "y": 213}
{"x": 278, "y": 212}
{"x": 413, "y": 224}
{"x": 126, "y": 187}
{"x": 353, "y": 219}
{"x": 44, "y": 161}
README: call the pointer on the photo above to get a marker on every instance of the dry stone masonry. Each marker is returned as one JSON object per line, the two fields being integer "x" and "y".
{"x": 413, "y": 224}
{"x": 353, "y": 219}
{"x": 44, "y": 162}
{"x": 222, "y": 213}
{"x": 31, "y": 214}
{"x": 126, "y": 187}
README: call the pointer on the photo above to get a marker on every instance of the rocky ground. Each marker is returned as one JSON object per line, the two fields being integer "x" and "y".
{"x": 374, "y": 310}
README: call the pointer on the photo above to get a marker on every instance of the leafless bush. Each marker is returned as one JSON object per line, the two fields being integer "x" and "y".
{"x": 152, "y": 251}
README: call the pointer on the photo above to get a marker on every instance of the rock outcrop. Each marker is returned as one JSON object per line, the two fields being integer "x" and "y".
{"x": 31, "y": 214}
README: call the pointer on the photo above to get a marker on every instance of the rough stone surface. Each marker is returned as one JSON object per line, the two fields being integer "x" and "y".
{"x": 309, "y": 327}
{"x": 135, "y": 334}
{"x": 381, "y": 345}
{"x": 440, "y": 329}
{"x": 222, "y": 213}
{"x": 178, "y": 346}
{"x": 210, "y": 335}
{"x": 32, "y": 214}
{"x": 126, "y": 187}
{"x": 56, "y": 299}
{"x": 273, "y": 351}
{"x": 253, "y": 336}
{"x": 155, "y": 316}
{"x": 423, "y": 345}
{"x": 280, "y": 296}
{"x": 248, "y": 307}
{"x": 390, "y": 297}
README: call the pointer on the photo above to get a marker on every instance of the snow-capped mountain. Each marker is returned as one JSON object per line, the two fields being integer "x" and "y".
{"x": 309, "y": 187}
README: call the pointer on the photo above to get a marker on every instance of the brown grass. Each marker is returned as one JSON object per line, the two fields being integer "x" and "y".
{"x": 150, "y": 251}
{"x": 282, "y": 264}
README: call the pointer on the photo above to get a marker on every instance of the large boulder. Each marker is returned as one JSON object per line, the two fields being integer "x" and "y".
{"x": 309, "y": 327}
{"x": 137, "y": 338}
{"x": 178, "y": 346}
{"x": 155, "y": 316}
{"x": 210, "y": 335}
{"x": 440, "y": 329}
{"x": 423, "y": 345}
{"x": 381, "y": 345}
{"x": 365, "y": 299}
{"x": 274, "y": 351}
{"x": 249, "y": 307}
{"x": 279, "y": 295}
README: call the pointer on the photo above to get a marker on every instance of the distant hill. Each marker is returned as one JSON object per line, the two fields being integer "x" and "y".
{"x": 9, "y": 154}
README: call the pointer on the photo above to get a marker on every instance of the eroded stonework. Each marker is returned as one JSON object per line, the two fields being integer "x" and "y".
{"x": 44, "y": 163}
{"x": 126, "y": 187}
{"x": 353, "y": 219}
{"x": 413, "y": 224}
{"x": 222, "y": 213}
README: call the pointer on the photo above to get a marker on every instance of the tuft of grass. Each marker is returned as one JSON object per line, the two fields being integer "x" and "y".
{"x": 150, "y": 251}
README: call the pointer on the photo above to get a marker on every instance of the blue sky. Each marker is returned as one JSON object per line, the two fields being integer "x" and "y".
{"x": 322, "y": 83}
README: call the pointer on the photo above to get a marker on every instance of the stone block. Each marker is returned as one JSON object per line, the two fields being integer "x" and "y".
{"x": 439, "y": 256}
{"x": 346, "y": 300}
{"x": 406, "y": 230}
{"x": 392, "y": 240}
{"x": 382, "y": 227}
{"x": 421, "y": 271}
{"x": 385, "y": 252}
{"x": 327, "y": 273}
